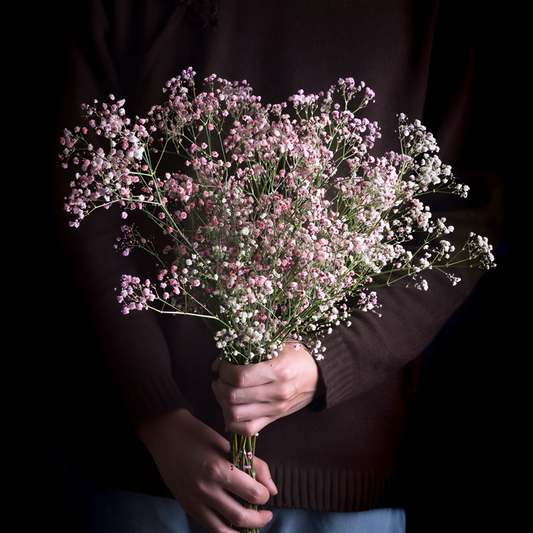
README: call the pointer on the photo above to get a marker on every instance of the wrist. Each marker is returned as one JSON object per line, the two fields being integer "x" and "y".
{"x": 313, "y": 376}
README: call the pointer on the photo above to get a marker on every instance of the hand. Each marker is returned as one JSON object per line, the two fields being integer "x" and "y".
{"x": 252, "y": 396}
{"x": 193, "y": 461}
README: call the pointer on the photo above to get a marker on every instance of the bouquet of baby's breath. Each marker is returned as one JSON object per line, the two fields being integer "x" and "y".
{"x": 273, "y": 221}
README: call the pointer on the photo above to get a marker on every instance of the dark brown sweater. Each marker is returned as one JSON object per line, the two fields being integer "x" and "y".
{"x": 342, "y": 453}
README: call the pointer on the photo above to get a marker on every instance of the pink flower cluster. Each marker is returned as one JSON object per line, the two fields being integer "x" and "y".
{"x": 274, "y": 215}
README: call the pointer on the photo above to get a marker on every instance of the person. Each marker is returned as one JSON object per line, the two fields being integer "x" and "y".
{"x": 331, "y": 434}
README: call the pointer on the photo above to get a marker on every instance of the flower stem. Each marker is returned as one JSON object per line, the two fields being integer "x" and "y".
{"x": 242, "y": 450}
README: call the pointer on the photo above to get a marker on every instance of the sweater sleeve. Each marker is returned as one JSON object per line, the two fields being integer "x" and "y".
{"x": 359, "y": 357}
{"x": 133, "y": 347}
{"x": 376, "y": 344}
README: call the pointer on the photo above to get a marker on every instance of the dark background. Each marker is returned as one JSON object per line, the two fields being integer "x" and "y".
{"x": 469, "y": 441}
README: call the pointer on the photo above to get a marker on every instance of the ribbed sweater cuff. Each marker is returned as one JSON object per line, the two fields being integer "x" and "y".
{"x": 156, "y": 395}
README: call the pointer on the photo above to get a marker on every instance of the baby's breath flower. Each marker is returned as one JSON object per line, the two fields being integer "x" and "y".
{"x": 279, "y": 217}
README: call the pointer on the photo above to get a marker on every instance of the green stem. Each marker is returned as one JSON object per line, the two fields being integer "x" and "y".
{"x": 242, "y": 453}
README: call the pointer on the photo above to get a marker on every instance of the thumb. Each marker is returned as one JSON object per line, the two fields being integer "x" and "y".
{"x": 262, "y": 474}
{"x": 215, "y": 367}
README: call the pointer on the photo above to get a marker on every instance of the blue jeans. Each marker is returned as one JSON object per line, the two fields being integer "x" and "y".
{"x": 118, "y": 511}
